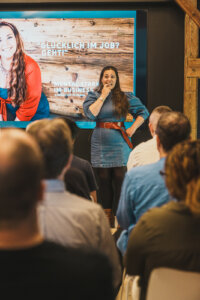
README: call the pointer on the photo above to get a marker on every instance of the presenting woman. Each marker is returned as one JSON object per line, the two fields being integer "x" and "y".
{"x": 21, "y": 96}
{"x": 110, "y": 143}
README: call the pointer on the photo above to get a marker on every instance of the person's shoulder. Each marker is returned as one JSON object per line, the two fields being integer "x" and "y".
{"x": 72, "y": 205}
{"x": 144, "y": 148}
{"x": 140, "y": 175}
{"x": 92, "y": 94}
{"x": 81, "y": 163}
{"x": 157, "y": 215}
{"x": 142, "y": 169}
{"x": 149, "y": 143}
{"x": 55, "y": 249}
{"x": 131, "y": 96}
{"x": 81, "y": 204}
{"x": 67, "y": 254}
{"x": 30, "y": 63}
{"x": 74, "y": 171}
{"x": 79, "y": 160}
{"x": 55, "y": 253}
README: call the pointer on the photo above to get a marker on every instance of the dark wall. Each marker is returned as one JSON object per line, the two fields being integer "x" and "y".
{"x": 165, "y": 65}
{"x": 165, "y": 56}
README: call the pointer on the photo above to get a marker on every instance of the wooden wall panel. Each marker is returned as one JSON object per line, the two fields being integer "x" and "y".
{"x": 190, "y": 7}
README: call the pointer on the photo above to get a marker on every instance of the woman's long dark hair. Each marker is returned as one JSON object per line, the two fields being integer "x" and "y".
{"x": 119, "y": 98}
{"x": 17, "y": 84}
{"x": 182, "y": 168}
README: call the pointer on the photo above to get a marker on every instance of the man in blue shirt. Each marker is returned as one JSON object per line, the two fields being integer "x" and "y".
{"x": 143, "y": 186}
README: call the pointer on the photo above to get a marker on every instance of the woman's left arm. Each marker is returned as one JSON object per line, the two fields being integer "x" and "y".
{"x": 138, "y": 111}
{"x": 28, "y": 109}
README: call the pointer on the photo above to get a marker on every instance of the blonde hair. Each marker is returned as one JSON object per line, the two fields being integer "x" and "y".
{"x": 182, "y": 169}
{"x": 54, "y": 139}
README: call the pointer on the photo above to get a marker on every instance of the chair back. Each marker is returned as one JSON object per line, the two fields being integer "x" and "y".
{"x": 129, "y": 289}
{"x": 172, "y": 284}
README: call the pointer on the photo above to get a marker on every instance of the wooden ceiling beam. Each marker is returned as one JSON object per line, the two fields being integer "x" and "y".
{"x": 190, "y": 10}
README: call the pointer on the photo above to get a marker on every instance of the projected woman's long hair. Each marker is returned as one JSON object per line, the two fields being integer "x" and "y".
{"x": 17, "y": 82}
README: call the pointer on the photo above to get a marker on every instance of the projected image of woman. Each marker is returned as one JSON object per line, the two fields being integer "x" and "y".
{"x": 110, "y": 143}
{"x": 21, "y": 94}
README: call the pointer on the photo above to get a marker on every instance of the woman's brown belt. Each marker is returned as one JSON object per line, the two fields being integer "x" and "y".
{"x": 118, "y": 126}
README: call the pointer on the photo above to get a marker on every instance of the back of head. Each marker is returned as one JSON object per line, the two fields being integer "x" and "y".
{"x": 182, "y": 170}
{"x": 173, "y": 127}
{"x": 54, "y": 139}
{"x": 155, "y": 116}
{"x": 21, "y": 168}
{"x": 72, "y": 126}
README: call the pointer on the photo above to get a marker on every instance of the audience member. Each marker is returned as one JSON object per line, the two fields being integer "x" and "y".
{"x": 76, "y": 183}
{"x": 29, "y": 264}
{"x": 147, "y": 152}
{"x": 82, "y": 164}
{"x": 169, "y": 236}
{"x": 64, "y": 217}
{"x": 143, "y": 186}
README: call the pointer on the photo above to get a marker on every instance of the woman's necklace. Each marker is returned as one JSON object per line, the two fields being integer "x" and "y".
{"x": 5, "y": 74}
{"x": 4, "y": 71}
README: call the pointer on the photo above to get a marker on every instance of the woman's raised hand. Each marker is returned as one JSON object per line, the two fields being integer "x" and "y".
{"x": 105, "y": 91}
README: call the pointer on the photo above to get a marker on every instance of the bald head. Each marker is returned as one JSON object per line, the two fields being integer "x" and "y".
{"x": 173, "y": 128}
{"x": 21, "y": 170}
{"x": 155, "y": 116}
